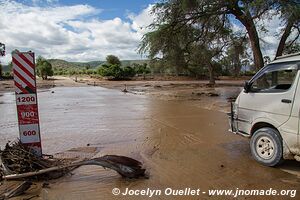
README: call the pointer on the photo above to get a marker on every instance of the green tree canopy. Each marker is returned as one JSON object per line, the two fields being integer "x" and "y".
{"x": 206, "y": 17}
{"x": 10, "y": 66}
{"x": 44, "y": 68}
{"x": 141, "y": 69}
{"x": 0, "y": 70}
{"x": 186, "y": 46}
{"x": 113, "y": 60}
{"x": 116, "y": 72}
{"x": 290, "y": 14}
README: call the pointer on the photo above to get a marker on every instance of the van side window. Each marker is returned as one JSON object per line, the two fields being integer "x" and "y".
{"x": 274, "y": 81}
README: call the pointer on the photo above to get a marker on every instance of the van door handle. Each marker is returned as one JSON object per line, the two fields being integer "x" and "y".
{"x": 286, "y": 101}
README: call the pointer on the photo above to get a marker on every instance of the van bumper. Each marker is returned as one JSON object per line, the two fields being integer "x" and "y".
{"x": 233, "y": 121}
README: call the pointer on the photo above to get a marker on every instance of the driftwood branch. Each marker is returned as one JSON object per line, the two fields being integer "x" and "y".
{"x": 17, "y": 191}
{"x": 126, "y": 167}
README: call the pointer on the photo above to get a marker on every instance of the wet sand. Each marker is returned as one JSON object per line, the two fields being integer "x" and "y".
{"x": 196, "y": 92}
{"x": 56, "y": 81}
{"x": 180, "y": 144}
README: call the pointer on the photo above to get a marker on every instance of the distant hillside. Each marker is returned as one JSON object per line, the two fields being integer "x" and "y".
{"x": 58, "y": 63}
{"x": 130, "y": 62}
{"x": 91, "y": 64}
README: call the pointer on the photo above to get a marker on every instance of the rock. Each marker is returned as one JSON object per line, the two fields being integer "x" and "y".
{"x": 200, "y": 93}
{"x": 46, "y": 185}
{"x": 211, "y": 94}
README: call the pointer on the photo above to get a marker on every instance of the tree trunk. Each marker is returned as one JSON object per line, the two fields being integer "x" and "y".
{"x": 284, "y": 37}
{"x": 254, "y": 40}
{"x": 211, "y": 74}
{"x": 247, "y": 21}
{"x": 237, "y": 64}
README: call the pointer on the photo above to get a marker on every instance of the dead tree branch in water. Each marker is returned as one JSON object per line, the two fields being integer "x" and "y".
{"x": 17, "y": 162}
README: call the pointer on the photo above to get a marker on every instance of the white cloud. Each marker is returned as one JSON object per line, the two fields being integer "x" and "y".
{"x": 73, "y": 33}
{"x": 141, "y": 22}
{"x": 269, "y": 39}
{"x": 76, "y": 33}
{"x": 36, "y": 2}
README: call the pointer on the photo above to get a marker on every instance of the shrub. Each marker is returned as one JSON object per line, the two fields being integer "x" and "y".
{"x": 116, "y": 72}
{"x": 128, "y": 72}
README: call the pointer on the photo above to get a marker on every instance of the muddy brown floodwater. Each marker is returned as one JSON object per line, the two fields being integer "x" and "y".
{"x": 180, "y": 144}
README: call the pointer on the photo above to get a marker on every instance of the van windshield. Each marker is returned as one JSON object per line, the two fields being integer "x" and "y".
{"x": 275, "y": 79}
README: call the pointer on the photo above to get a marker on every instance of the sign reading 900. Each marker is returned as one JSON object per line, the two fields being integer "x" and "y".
{"x": 28, "y": 114}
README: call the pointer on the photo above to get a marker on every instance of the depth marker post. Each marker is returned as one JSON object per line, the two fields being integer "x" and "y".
{"x": 26, "y": 100}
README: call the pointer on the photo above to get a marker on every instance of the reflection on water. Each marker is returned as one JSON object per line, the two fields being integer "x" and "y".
{"x": 72, "y": 117}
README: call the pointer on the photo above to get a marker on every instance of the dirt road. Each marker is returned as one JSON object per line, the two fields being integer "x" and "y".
{"x": 180, "y": 144}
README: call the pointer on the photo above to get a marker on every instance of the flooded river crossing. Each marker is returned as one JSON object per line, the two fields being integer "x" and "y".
{"x": 180, "y": 145}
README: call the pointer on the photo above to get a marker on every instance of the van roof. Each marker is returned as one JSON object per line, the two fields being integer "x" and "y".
{"x": 287, "y": 58}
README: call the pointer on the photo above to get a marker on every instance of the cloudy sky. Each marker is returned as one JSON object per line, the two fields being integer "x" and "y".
{"x": 74, "y": 30}
{"x": 77, "y": 30}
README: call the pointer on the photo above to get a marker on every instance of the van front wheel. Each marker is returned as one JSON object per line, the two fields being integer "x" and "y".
{"x": 266, "y": 146}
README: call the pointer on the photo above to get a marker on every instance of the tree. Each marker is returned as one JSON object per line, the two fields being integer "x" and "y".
{"x": 141, "y": 69}
{"x": 291, "y": 16}
{"x": 87, "y": 66}
{"x": 10, "y": 66}
{"x": 0, "y": 70}
{"x": 116, "y": 72}
{"x": 44, "y": 68}
{"x": 181, "y": 44}
{"x": 205, "y": 56}
{"x": 113, "y": 60}
{"x": 236, "y": 52}
{"x": 165, "y": 42}
{"x": 295, "y": 48}
{"x": 128, "y": 72}
{"x": 177, "y": 13}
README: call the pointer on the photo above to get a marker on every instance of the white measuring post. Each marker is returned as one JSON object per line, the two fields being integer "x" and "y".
{"x": 26, "y": 100}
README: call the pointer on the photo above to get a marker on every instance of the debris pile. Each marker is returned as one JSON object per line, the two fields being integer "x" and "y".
{"x": 17, "y": 159}
{"x": 18, "y": 162}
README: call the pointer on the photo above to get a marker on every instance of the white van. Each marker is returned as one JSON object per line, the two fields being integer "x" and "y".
{"x": 268, "y": 110}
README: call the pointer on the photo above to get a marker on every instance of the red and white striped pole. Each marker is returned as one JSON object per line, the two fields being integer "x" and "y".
{"x": 26, "y": 100}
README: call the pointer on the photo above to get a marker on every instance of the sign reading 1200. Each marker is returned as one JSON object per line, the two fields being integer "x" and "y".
{"x": 26, "y": 99}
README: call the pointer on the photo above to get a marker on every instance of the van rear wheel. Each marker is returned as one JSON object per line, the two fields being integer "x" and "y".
{"x": 266, "y": 146}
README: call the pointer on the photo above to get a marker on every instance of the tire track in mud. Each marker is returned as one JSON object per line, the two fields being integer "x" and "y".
{"x": 9, "y": 125}
{"x": 185, "y": 136}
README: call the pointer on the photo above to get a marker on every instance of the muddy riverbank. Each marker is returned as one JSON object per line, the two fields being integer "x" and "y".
{"x": 196, "y": 92}
{"x": 56, "y": 81}
{"x": 180, "y": 144}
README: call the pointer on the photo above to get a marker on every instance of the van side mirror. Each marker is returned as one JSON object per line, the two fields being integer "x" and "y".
{"x": 247, "y": 87}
